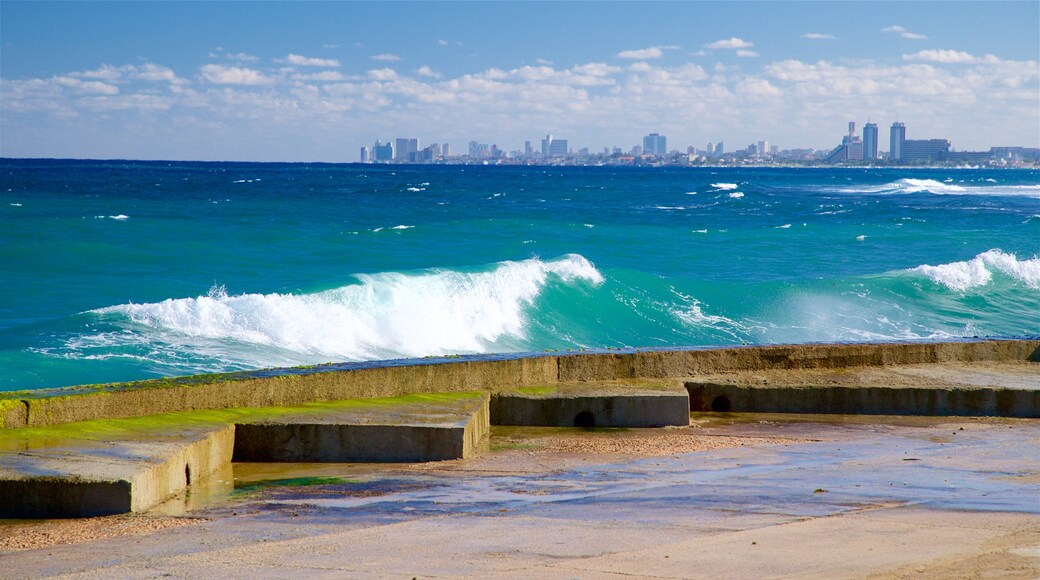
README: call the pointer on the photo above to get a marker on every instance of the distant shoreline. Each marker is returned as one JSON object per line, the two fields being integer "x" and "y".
{"x": 1026, "y": 167}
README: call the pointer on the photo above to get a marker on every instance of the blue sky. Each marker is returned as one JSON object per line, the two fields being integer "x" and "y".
{"x": 315, "y": 81}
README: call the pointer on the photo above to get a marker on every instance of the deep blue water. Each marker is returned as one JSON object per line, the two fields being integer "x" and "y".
{"x": 124, "y": 270}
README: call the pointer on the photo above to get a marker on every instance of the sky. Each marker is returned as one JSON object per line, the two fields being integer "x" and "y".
{"x": 315, "y": 81}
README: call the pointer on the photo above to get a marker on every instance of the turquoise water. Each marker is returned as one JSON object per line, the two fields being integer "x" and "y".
{"x": 117, "y": 271}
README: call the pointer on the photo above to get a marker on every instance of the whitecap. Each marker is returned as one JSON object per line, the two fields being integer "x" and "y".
{"x": 402, "y": 227}
{"x": 783, "y": 227}
{"x": 736, "y": 195}
{"x": 978, "y": 271}
{"x": 724, "y": 186}
{"x": 861, "y": 238}
{"x": 385, "y": 315}
{"x": 120, "y": 217}
{"x": 15, "y": 205}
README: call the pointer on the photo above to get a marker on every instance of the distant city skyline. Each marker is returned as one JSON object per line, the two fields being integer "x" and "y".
{"x": 316, "y": 81}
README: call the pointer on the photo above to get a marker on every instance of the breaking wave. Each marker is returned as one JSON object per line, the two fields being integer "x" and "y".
{"x": 909, "y": 185}
{"x": 387, "y": 315}
{"x": 979, "y": 271}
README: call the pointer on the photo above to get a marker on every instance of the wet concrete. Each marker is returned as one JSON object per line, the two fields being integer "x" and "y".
{"x": 130, "y": 465}
{"x": 828, "y": 496}
{"x": 619, "y": 404}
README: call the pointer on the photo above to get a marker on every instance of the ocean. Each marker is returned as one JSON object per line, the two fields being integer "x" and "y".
{"x": 115, "y": 271}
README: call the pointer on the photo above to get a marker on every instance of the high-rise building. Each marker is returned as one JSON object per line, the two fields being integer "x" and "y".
{"x": 763, "y": 147}
{"x": 446, "y": 150}
{"x": 720, "y": 148}
{"x": 383, "y": 152}
{"x": 924, "y": 149}
{"x": 528, "y": 150}
{"x": 404, "y": 148}
{"x": 897, "y": 136}
{"x": 870, "y": 133}
{"x": 711, "y": 149}
{"x": 654, "y": 144}
{"x": 552, "y": 147}
{"x": 364, "y": 154}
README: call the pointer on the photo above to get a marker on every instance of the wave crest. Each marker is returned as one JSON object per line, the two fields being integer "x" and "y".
{"x": 978, "y": 271}
{"x": 387, "y": 315}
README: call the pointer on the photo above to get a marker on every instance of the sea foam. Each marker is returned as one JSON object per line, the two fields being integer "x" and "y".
{"x": 387, "y": 315}
{"x": 978, "y": 271}
{"x": 932, "y": 186}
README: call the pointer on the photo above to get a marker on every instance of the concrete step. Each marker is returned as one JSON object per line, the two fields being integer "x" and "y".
{"x": 593, "y": 405}
{"x": 128, "y": 465}
{"x": 411, "y": 429}
{"x": 996, "y": 389}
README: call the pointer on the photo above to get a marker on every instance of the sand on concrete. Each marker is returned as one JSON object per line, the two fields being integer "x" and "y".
{"x": 781, "y": 496}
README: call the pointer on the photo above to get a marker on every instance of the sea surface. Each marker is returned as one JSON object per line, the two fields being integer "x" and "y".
{"x": 112, "y": 271}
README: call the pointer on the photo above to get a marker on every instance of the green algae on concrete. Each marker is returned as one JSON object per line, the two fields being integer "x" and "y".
{"x": 286, "y": 387}
{"x": 131, "y": 464}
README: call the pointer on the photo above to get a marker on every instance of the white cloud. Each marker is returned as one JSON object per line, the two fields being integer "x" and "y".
{"x": 642, "y": 53}
{"x": 383, "y": 74}
{"x": 425, "y": 71}
{"x": 596, "y": 69}
{"x": 233, "y": 75}
{"x": 239, "y": 57}
{"x": 896, "y": 29}
{"x": 442, "y": 42}
{"x": 730, "y": 43}
{"x": 746, "y": 53}
{"x": 94, "y": 87}
{"x": 297, "y": 60}
{"x": 819, "y": 36}
{"x": 543, "y": 61}
{"x": 323, "y": 76}
{"x": 950, "y": 57}
{"x": 385, "y": 57}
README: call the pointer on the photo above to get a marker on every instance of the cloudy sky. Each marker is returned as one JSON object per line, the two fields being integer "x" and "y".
{"x": 315, "y": 81}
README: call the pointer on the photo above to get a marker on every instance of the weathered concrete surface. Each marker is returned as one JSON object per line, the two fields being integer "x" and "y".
{"x": 337, "y": 382}
{"x": 78, "y": 477}
{"x": 845, "y": 497}
{"x": 578, "y": 405}
{"x": 1004, "y": 389}
{"x": 435, "y": 428}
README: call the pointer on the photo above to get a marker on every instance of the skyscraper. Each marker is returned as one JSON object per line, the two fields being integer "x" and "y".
{"x": 870, "y": 133}
{"x": 654, "y": 144}
{"x": 364, "y": 154}
{"x": 897, "y": 136}
{"x": 404, "y": 148}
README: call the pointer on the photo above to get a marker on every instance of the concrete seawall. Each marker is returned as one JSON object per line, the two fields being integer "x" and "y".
{"x": 288, "y": 387}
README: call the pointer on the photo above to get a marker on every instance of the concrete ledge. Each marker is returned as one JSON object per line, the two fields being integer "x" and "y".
{"x": 129, "y": 465}
{"x": 83, "y": 478}
{"x": 434, "y": 433}
{"x": 285, "y": 387}
{"x": 591, "y": 407}
{"x": 962, "y": 389}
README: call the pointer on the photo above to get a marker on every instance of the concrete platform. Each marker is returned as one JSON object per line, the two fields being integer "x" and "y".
{"x": 992, "y": 388}
{"x": 593, "y": 405}
{"x": 130, "y": 465}
{"x": 432, "y": 428}
{"x": 740, "y": 496}
{"x": 60, "y": 474}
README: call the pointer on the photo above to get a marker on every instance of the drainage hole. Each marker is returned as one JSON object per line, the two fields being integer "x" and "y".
{"x": 585, "y": 419}
{"x": 721, "y": 404}
{"x": 187, "y": 474}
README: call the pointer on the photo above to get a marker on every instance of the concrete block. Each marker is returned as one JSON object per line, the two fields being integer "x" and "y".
{"x": 433, "y": 429}
{"x": 82, "y": 478}
{"x": 591, "y": 407}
